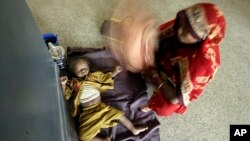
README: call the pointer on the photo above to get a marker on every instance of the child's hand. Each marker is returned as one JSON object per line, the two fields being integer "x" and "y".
{"x": 63, "y": 80}
{"x": 117, "y": 70}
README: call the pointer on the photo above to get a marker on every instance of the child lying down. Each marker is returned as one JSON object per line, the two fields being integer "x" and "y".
{"x": 85, "y": 89}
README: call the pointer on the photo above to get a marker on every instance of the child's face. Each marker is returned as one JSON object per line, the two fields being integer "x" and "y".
{"x": 184, "y": 36}
{"x": 81, "y": 68}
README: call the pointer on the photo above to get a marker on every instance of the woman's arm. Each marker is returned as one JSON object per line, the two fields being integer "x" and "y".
{"x": 168, "y": 91}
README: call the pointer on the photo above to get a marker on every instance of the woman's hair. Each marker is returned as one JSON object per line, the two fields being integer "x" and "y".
{"x": 183, "y": 20}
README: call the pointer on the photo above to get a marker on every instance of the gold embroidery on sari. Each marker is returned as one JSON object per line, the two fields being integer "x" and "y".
{"x": 211, "y": 55}
{"x": 197, "y": 19}
{"x": 219, "y": 12}
{"x": 199, "y": 87}
{"x": 202, "y": 79}
{"x": 215, "y": 32}
{"x": 186, "y": 83}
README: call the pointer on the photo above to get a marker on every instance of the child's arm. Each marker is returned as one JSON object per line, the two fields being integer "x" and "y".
{"x": 104, "y": 78}
{"x": 67, "y": 92}
{"x": 117, "y": 70}
{"x": 63, "y": 80}
{"x": 102, "y": 81}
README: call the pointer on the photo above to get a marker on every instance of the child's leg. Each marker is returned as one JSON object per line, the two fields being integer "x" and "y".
{"x": 135, "y": 130}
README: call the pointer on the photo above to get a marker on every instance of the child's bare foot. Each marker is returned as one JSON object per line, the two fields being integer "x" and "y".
{"x": 138, "y": 130}
{"x": 107, "y": 139}
{"x": 101, "y": 139}
{"x": 145, "y": 108}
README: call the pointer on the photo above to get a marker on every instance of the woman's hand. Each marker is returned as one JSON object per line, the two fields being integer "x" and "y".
{"x": 168, "y": 91}
{"x": 149, "y": 73}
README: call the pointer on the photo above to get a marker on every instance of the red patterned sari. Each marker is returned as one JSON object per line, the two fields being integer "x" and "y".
{"x": 189, "y": 67}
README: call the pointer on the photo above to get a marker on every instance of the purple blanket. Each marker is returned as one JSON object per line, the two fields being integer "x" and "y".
{"x": 128, "y": 96}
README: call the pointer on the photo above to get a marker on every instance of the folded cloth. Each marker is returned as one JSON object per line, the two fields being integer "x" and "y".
{"x": 96, "y": 117}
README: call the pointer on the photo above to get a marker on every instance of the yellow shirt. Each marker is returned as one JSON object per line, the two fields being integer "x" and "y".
{"x": 101, "y": 81}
